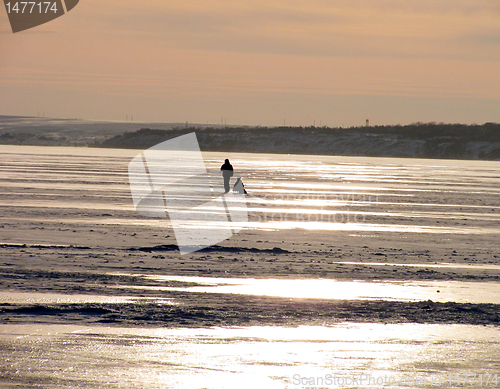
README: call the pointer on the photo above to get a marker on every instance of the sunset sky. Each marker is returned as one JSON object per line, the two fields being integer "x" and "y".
{"x": 335, "y": 62}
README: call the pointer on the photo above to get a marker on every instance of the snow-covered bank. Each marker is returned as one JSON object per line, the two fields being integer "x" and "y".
{"x": 45, "y": 131}
{"x": 413, "y": 141}
{"x": 451, "y": 141}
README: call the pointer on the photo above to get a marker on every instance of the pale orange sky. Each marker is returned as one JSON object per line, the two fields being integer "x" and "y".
{"x": 259, "y": 62}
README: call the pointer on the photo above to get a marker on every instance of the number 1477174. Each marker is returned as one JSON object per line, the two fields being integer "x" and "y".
{"x": 31, "y": 7}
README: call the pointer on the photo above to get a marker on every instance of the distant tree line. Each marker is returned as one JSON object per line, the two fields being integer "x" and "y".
{"x": 423, "y": 140}
{"x": 417, "y": 140}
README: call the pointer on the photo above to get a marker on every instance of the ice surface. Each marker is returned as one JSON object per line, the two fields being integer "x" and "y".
{"x": 336, "y": 252}
{"x": 217, "y": 358}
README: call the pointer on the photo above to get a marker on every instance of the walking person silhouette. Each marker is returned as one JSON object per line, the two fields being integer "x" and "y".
{"x": 227, "y": 173}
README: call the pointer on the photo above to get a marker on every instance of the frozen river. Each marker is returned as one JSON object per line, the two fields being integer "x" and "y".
{"x": 349, "y": 268}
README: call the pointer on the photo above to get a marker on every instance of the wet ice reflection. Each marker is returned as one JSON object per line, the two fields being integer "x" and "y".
{"x": 439, "y": 291}
{"x": 267, "y": 357}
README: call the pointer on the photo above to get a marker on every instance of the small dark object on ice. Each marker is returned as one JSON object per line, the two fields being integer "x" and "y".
{"x": 428, "y": 305}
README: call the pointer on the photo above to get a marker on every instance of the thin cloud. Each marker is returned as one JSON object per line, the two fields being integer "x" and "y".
{"x": 357, "y": 28}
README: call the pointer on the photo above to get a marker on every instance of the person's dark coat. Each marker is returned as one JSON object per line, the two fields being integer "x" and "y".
{"x": 227, "y": 173}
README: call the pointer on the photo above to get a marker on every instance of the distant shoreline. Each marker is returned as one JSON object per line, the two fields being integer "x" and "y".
{"x": 419, "y": 140}
{"x": 444, "y": 141}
